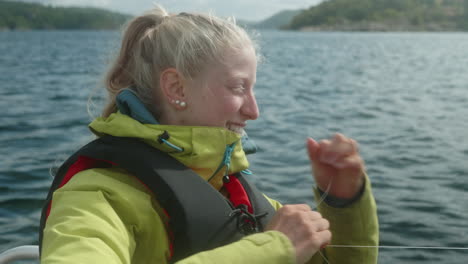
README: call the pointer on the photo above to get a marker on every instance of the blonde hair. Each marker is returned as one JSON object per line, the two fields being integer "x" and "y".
{"x": 157, "y": 40}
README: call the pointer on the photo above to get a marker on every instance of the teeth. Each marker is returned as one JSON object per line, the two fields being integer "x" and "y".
{"x": 236, "y": 129}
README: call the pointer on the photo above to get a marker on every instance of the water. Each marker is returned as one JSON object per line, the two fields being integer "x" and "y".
{"x": 403, "y": 97}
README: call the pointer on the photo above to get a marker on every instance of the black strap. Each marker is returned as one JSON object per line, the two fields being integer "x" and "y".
{"x": 197, "y": 211}
{"x": 260, "y": 204}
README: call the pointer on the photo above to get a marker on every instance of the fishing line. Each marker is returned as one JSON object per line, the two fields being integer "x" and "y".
{"x": 391, "y": 247}
{"x": 398, "y": 247}
{"x": 322, "y": 198}
{"x": 324, "y": 195}
{"x": 324, "y": 258}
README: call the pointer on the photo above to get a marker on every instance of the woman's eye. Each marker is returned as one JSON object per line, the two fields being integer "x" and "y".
{"x": 238, "y": 88}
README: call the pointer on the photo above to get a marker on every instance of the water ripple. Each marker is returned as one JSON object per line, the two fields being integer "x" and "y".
{"x": 401, "y": 96}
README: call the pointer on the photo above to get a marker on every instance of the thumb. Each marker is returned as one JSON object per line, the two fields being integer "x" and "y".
{"x": 313, "y": 149}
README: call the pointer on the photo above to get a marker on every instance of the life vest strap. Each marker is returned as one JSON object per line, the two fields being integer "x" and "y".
{"x": 200, "y": 216}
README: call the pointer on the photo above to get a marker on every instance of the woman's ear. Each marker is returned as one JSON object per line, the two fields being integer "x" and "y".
{"x": 172, "y": 85}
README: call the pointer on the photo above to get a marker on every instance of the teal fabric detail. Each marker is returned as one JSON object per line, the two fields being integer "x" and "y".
{"x": 228, "y": 153}
{"x": 247, "y": 172}
{"x": 226, "y": 162}
{"x": 179, "y": 149}
{"x": 129, "y": 104}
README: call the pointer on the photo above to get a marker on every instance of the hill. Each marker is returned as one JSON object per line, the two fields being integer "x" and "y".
{"x": 278, "y": 20}
{"x": 26, "y": 16}
{"x": 384, "y": 15}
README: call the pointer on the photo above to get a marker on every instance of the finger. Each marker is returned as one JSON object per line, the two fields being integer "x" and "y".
{"x": 324, "y": 147}
{"x": 303, "y": 207}
{"x": 326, "y": 152}
{"x": 289, "y": 208}
{"x": 338, "y": 137}
{"x": 312, "y": 148}
{"x": 321, "y": 224}
{"x": 343, "y": 145}
{"x": 322, "y": 238}
{"x": 326, "y": 236}
{"x": 350, "y": 162}
{"x": 314, "y": 215}
{"x": 355, "y": 145}
{"x": 337, "y": 150}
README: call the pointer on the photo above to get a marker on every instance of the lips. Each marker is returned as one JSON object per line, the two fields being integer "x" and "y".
{"x": 236, "y": 127}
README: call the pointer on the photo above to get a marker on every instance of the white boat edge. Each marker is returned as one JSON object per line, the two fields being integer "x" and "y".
{"x": 19, "y": 253}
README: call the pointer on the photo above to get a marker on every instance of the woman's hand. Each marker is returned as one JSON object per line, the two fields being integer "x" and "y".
{"x": 337, "y": 165}
{"x": 306, "y": 229}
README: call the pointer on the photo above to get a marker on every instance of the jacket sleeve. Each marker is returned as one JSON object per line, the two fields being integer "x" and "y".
{"x": 83, "y": 228}
{"x": 355, "y": 224}
{"x": 103, "y": 218}
{"x": 99, "y": 217}
{"x": 268, "y": 247}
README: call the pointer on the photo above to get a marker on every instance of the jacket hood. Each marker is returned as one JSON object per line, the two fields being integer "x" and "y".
{"x": 203, "y": 149}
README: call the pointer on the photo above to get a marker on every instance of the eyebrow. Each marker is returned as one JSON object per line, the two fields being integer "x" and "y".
{"x": 236, "y": 76}
{"x": 245, "y": 80}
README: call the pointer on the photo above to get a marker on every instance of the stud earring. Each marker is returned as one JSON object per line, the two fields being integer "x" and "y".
{"x": 179, "y": 103}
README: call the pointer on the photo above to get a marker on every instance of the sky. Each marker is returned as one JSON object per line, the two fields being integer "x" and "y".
{"x": 252, "y": 10}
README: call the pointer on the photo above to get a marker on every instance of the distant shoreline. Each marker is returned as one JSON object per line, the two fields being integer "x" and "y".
{"x": 305, "y": 30}
{"x": 55, "y": 29}
{"x": 381, "y": 27}
{"x": 23, "y": 16}
{"x": 384, "y": 16}
{"x": 315, "y": 29}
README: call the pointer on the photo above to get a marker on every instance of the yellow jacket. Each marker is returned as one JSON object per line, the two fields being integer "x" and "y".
{"x": 103, "y": 215}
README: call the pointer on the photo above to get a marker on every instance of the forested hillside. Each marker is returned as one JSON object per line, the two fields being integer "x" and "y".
{"x": 278, "y": 20}
{"x": 384, "y": 15}
{"x": 23, "y": 16}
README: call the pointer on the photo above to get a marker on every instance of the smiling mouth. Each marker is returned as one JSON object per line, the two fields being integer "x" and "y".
{"x": 236, "y": 128}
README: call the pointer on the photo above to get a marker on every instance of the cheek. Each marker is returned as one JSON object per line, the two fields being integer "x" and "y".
{"x": 222, "y": 111}
{"x": 231, "y": 105}
{"x": 221, "y": 100}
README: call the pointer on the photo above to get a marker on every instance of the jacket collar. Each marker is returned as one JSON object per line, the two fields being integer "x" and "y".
{"x": 202, "y": 149}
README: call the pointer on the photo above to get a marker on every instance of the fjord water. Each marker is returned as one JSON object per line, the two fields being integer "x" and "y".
{"x": 402, "y": 96}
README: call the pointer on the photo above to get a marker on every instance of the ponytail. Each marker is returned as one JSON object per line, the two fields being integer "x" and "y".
{"x": 122, "y": 73}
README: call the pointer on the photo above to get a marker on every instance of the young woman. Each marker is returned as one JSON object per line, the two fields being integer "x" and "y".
{"x": 166, "y": 180}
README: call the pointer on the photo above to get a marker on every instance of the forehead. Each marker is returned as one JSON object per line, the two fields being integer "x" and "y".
{"x": 239, "y": 62}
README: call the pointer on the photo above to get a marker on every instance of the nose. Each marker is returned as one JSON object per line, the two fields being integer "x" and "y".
{"x": 250, "y": 107}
